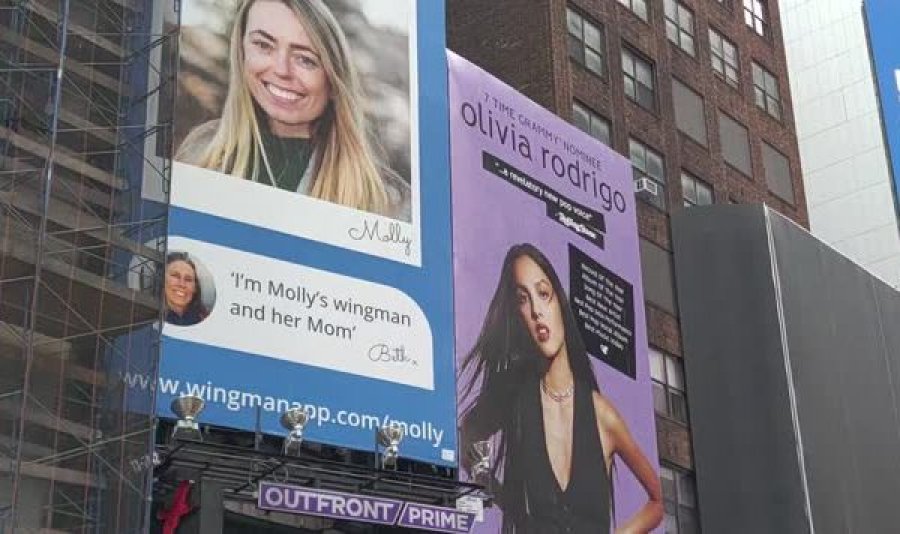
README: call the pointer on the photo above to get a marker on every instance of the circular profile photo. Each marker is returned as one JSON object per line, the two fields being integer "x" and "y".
{"x": 189, "y": 291}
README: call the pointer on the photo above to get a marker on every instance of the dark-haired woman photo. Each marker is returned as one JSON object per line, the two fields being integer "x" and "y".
{"x": 184, "y": 306}
{"x": 528, "y": 386}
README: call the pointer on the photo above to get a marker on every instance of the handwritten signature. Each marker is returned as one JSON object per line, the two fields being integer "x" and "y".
{"x": 373, "y": 231}
{"x": 382, "y": 352}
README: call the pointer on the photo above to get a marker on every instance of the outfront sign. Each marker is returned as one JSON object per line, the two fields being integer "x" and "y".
{"x": 364, "y": 508}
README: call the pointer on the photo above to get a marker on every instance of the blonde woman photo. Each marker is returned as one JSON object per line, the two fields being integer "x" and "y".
{"x": 294, "y": 115}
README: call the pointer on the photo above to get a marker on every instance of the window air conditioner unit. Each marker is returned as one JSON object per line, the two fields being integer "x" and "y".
{"x": 647, "y": 186}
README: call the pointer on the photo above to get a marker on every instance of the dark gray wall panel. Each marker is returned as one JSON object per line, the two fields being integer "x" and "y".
{"x": 815, "y": 425}
{"x": 888, "y": 304}
{"x": 844, "y": 392}
{"x": 746, "y": 459}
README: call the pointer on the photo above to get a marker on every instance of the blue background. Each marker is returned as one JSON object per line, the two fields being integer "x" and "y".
{"x": 883, "y": 26}
{"x": 430, "y": 286}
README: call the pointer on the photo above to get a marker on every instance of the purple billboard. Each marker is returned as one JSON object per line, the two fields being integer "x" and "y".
{"x": 551, "y": 342}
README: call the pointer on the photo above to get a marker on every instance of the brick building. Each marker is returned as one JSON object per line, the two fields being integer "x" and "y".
{"x": 696, "y": 92}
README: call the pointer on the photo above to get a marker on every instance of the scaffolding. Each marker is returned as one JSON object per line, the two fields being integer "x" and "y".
{"x": 84, "y": 137}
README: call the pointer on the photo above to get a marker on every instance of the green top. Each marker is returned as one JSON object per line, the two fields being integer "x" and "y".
{"x": 288, "y": 157}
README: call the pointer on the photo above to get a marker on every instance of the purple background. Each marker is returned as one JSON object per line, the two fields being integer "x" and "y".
{"x": 490, "y": 215}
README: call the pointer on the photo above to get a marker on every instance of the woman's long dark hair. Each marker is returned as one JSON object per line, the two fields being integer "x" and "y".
{"x": 505, "y": 359}
{"x": 195, "y": 306}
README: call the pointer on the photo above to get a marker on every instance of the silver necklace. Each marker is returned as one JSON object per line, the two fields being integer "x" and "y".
{"x": 561, "y": 396}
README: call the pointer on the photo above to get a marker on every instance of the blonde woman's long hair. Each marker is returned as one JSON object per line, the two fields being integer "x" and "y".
{"x": 347, "y": 171}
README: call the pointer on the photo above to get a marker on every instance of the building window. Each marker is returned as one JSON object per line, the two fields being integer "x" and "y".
{"x": 695, "y": 191}
{"x": 778, "y": 173}
{"x": 735, "y": 144}
{"x": 724, "y": 56}
{"x": 765, "y": 91}
{"x": 648, "y": 165}
{"x": 680, "y": 26}
{"x": 755, "y": 16}
{"x": 638, "y": 7}
{"x": 639, "y": 82}
{"x": 690, "y": 117}
{"x": 591, "y": 123}
{"x": 657, "y": 275}
{"x": 680, "y": 501}
{"x": 667, "y": 373}
{"x": 586, "y": 43}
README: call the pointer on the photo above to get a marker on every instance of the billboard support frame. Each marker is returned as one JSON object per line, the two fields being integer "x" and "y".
{"x": 244, "y": 467}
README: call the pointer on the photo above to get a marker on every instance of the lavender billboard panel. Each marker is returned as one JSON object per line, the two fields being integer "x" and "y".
{"x": 550, "y": 329}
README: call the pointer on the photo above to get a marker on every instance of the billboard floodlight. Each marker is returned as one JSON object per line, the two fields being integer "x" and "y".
{"x": 389, "y": 437}
{"x": 187, "y": 409}
{"x": 481, "y": 453}
{"x": 294, "y": 420}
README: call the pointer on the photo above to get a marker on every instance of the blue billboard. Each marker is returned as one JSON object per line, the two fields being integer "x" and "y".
{"x": 309, "y": 260}
{"x": 882, "y": 18}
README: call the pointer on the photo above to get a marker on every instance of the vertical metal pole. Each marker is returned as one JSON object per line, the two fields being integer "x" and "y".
{"x": 31, "y": 319}
{"x": 257, "y": 435}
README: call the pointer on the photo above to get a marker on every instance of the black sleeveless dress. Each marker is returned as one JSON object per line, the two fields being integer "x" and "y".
{"x": 584, "y": 505}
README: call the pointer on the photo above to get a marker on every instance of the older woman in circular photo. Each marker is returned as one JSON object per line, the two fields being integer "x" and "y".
{"x": 184, "y": 301}
{"x": 531, "y": 389}
{"x": 293, "y": 116}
